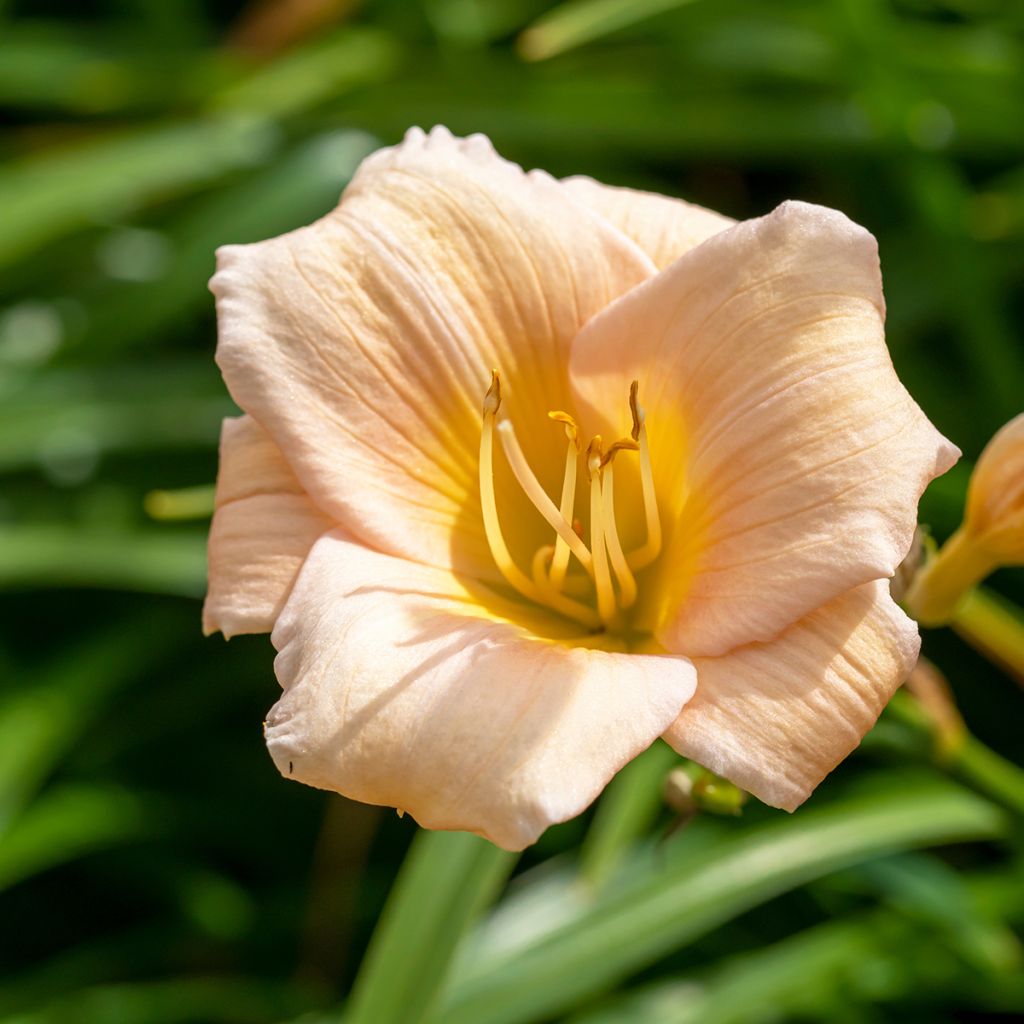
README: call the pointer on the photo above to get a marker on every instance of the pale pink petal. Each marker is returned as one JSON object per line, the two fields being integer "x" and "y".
{"x": 789, "y": 459}
{"x": 263, "y": 527}
{"x": 401, "y": 690}
{"x": 365, "y": 342}
{"x": 776, "y": 718}
{"x": 663, "y": 227}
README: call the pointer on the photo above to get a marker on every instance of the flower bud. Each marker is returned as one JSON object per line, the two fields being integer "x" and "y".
{"x": 995, "y": 498}
{"x": 991, "y": 535}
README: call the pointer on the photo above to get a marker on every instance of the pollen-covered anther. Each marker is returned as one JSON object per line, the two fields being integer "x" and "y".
{"x": 492, "y": 397}
{"x": 572, "y": 432}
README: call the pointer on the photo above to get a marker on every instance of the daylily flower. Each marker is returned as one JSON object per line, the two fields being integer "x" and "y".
{"x": 991, "y": 535}
{"x": 534, "y": 472}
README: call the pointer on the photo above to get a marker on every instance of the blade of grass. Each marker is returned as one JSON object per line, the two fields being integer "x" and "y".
{"x": 578, "y": 22}
{"x": 65, "y": 189}
{"x": 448, "y": 878}
{"x": 294, "y": 190}
{"x": 69, "y": 821}
{"x": 159, "y": 561}
{"x": 625, "y": 812}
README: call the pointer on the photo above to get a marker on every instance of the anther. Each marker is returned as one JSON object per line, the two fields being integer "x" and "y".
{"x": 492, "y": 397}
{"x": 572, "y": 432}
{"x": 635, "y": 411}
{"x": 624, "y": 445}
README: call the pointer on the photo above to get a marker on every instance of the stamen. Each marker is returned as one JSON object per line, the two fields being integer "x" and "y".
{"x": 560, "y": 559}
{"x": 627, "y": 584}
{"x": 611, "y": 572}
{"x": 492, "y": 526}
{"x": 643, "y": 556}
{"x": 544, "y": 505}
{"x": 602, "y": 577}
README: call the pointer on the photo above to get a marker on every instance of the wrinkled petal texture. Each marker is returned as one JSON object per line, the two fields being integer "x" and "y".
{"x": 776, "y": 718}
{"x": 995, "y": 498}
{"x": 364, "y": 343}
{"x": 663, "y": 227}
{"x": 263, "y": 527}
{"x": 400, "y": 691}
{"x": 788, "y": 456}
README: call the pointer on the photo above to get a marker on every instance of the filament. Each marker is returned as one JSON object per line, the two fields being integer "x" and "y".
{"x": 560, "y": 559}
{"x": 492, "y": 526}
{"x": 602, "y": 577}
{"x": 627, "y": 584}
{"x": 544, "y": 505}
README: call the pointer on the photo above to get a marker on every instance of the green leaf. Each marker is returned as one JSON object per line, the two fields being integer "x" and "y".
{"x": 862, "y": 958}
{"x": 323, "y": 69}
{"x": 157, "y": 561}
{"x": 63, "y": 190}
{"x": 578, "y": 22}
{"x": 301, "y": 186}
{"x": 448, "y": 878}
{"x": 69, "y": 821}
{"x": 669, "y": 905}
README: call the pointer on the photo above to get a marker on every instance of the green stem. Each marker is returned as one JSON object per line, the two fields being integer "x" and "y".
{"x": 995, "y": 628}
{"x": 987, "y": 771}
{"x": 971, "y": 761}
{"x": 943, "y": 582}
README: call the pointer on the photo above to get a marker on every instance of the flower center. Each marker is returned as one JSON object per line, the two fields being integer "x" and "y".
{"x": 597, "y": 597}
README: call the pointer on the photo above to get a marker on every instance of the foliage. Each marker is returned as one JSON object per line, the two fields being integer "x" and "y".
{"x": 153, "y": 866}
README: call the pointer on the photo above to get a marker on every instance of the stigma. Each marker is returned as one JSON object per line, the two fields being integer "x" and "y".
{"x": 592, "y": 584}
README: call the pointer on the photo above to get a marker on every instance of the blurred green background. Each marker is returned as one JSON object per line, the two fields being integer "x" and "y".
{"x": 153, "y": 865}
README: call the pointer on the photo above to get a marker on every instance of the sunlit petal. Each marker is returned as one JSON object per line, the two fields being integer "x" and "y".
{"x": 776, "y": 718}
{"x": 400, "y": 690}
{"x": 788, "y": 456}
{"x": 663, "y": 227}
{"x": 364, "y": 342}
{"x": 262, "y": 530}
